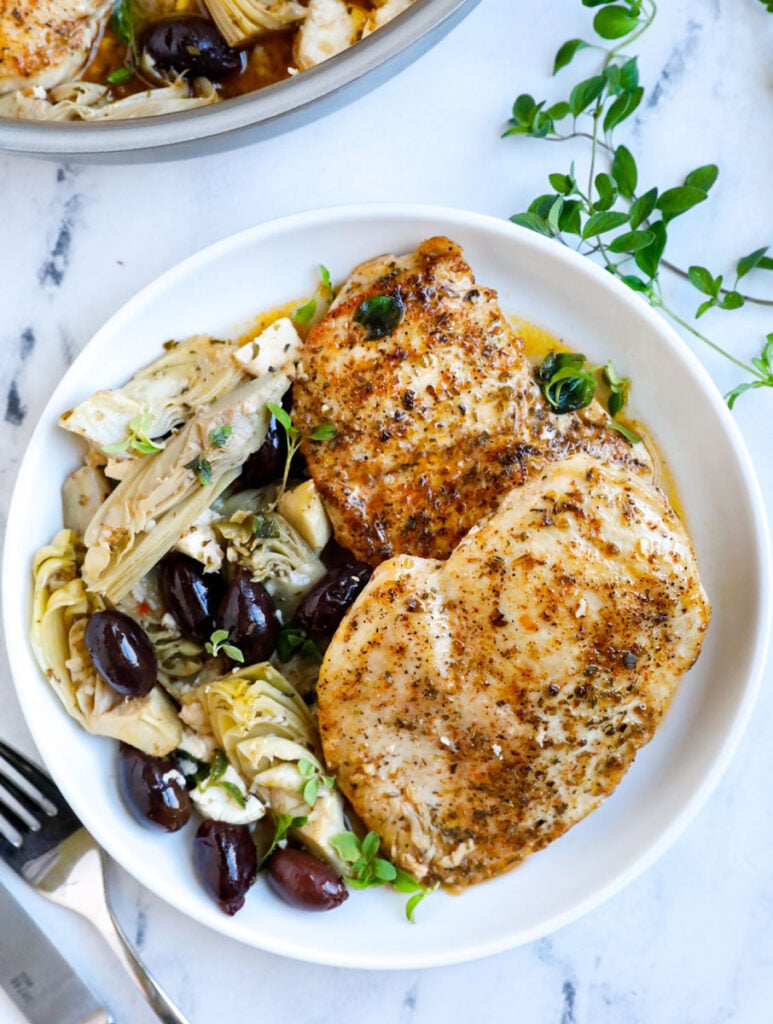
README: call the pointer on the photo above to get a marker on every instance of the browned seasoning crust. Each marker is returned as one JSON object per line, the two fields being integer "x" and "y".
{"x": 474, "y": 710}
{"x": 436, "y": 421}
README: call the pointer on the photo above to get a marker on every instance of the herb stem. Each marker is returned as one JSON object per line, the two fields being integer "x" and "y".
{"x": 655, "y": 300}
{"x": 722, "y": 291}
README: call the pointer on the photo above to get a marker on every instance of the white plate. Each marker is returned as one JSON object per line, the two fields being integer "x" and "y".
{"x": 224, "y": 286}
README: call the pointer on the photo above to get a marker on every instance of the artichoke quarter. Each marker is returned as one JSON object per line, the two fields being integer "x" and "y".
{"x": 242, "y": 21}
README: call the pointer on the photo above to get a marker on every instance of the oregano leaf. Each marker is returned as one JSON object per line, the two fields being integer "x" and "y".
{"x": 567, "y": 52}
{"x": 624, "y": 172}
{"x": 614, "y": 22}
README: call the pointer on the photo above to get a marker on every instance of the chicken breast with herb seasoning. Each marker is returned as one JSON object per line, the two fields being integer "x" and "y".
{"x": 473, "y": 710}
{"x": 46, "y": 42}
{"x": 437, "y": 411}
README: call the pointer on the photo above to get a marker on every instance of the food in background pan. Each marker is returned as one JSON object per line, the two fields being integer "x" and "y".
{"x": 91, "y": 60}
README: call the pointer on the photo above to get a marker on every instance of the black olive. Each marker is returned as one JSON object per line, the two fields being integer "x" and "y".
{"x": 191, "y": 595}
{"x": 303, "y": 881}
{"x": 190, "y": 44}
{"x": 321, "y": 610}
{"x": 248, "y": 615}
{"x": 122, "y": 653}
{"x": 226, "y": 862}
{"x": 153, "y": 788}
{"x": 268, "y": 462}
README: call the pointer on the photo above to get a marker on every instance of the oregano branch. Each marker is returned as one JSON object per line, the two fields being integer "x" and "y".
{"x": 610, "y": 217}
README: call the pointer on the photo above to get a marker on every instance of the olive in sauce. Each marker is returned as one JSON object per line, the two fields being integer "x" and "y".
{"x": 191, "y": 44}
{"x": 322, "y": 609}
{"x": 122, "y": 652}
{"x": 191, "y": 596}
{"x": 247, "y": 613}
{"x": 226, "y": 862}
{"x": 153, "y": 789}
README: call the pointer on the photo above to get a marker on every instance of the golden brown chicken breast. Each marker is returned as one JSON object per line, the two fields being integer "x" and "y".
{"x": 473, "y": 710}
{"x": 436, "y": 419}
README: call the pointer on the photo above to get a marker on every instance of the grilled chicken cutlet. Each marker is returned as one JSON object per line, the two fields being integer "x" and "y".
{"x": 437, "y": 419}
{"x": 474, "y": 709}
{"x": 46, "y": 42}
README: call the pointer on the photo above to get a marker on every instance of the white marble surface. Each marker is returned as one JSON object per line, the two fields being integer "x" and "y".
{"x": 690, "y": 942}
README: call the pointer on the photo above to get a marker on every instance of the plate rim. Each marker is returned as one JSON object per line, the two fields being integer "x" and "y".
{"x": 448, "y": 218}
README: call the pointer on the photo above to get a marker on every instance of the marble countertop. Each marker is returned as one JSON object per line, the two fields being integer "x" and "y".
{"x": 692, "y": 939}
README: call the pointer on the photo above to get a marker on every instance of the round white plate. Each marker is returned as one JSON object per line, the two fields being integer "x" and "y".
{"x": 219, "y": 289}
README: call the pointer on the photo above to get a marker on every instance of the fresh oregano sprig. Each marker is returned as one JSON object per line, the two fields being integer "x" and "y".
{"x": 314, "y": 779}
{"x": 604, "y": 213}
{"x": 137, "y": 439}
{"x": 369, "y": 870}
{"x": 219, "y": 641}
{"x": 294, "y": 435}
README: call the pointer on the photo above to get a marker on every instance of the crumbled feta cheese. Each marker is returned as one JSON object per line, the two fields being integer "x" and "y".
{"x": 214, "y": 801}
{"x": 279, "y": 344}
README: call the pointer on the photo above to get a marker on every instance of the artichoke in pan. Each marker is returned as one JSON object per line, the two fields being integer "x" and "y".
{"x": 191, "y": 373}
{"x": 270, "y": 737}
{"x": 241, "y": 21}
{"x": 61, "y": 610}
{"x": 275, "y": 554}
{"x": 165, "y": 493}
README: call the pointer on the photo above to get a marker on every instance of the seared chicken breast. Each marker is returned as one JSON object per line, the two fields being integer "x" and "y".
{"x": 46, "y": 42}
{"x": 437, "y": 420}
{"x": 474, "y": 709}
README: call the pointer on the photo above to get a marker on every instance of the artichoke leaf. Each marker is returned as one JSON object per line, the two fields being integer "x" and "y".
{"x": 265, "y": 729}
{"x": 163, "y": 495}
{"x": 242, "y": 21}
{"x": 82, "y": 494}
{"x": 284, "y": 562}
{"x": 189, "y": 374}
{"x": 61, "y": 610}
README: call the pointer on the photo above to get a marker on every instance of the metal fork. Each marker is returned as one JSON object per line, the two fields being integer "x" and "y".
{"x": 45, "y": 843}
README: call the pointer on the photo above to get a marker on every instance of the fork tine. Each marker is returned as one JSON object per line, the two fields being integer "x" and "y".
{"x": 34, "y": 805}
{"x": 36, "y": 776}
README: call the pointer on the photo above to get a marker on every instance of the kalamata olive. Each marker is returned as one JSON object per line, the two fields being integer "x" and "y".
{"x": 268, "y": 462}
{"x": 191, "y": 595}
{"x": 122, "y": 653}
{"x": 153, "y": 788}
{"x": 305, "y": 882}
{"x": 190, "y": 44}
{"x": 248, "y": 615}
{"x": 326, "y": 603}
{"x": 226, "y": 862}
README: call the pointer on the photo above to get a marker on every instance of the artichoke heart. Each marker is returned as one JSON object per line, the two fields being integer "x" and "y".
{"x": 266, "y": 731}
{"x": 189, "y": 374}
{"x": 242, "y": 21}
{"x": 165, "y": 493}
{"x": 276, "y": 554}
{"x": 61, "y": 610}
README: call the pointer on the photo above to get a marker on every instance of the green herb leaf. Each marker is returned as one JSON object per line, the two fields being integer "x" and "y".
{"x": 380, "y": 315}
{"x": 748, "y": 263}
{"x": 648, "y": 259}
{"x": 412, "y": 904}
{"x": 533, "y": 222}
{"x": 732, "y": 300}
{"x": 347, "y": 846}
{"x": 642, "y": 207}
{"x": 219, "y": 642}
{"x": 219, "y": 767}
{"x": 293, "y": 641}
{"x": 564, "y": 383}
{"x": 327, "y": 285}
{"x": 701, "y": 279}
{"x": 202, "y": 470}
{"x": 324, "y": 432}
{"x": 600, "y": 223}
{"x": 615, "y": 21}
{"x": 310, "y": 791}
{"x": 622, "y": 108}
{"x": 280, "y": 415}
{"x": 304, "y": 313}
{"x": 562, "y": 183}
{"x": 306, "y": 767}
{"x": 630, "y": 435}
{"x": 120, "y": 75}
{"x": 264, "y": 527}
{"x": 566, "y": 53}
{"x": 218, "y": 437}
{"x": 675, "y": 201}
{"x": 283, "y": 824}
{"x": 702, "y": 177}
{"x": 122, "y": 22}
{"x": 631, "y": 241}
{"x": 234, "y": 792}
{"x": 585, "y": 92}
{"x": 624, "y": 172}
{"x": 383, "y": 870}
